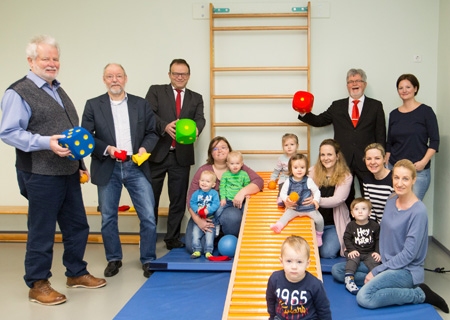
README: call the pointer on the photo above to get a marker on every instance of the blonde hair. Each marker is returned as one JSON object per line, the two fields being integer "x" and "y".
{"x": 297, "y": 243}
{"x": 235, "y": 154}
{"x": 377, "y": 146}
{"x": 341, "y": 169}
{"x": 209, "y": 173}
{"x": 289, "y": 136}
{"x": 360, "y": 200}
{"x": 407, "y": 164}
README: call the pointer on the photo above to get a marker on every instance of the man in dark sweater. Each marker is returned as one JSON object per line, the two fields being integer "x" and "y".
{"x": 35, "y": 112}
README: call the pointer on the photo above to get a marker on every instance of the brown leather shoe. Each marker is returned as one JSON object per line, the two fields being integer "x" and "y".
{"x": 85, "y": 281}
{"x": 44, "y": 294}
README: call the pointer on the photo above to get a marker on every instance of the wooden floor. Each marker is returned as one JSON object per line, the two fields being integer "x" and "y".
{"x": 257, "y": 255}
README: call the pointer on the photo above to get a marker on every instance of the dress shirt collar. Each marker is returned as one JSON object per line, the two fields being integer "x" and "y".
{"x": 361, "y": 100}
{"x": 41, "y": 82}
{"x": 117, "y": 102}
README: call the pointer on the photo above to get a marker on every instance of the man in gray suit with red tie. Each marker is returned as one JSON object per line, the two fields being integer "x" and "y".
{"x": 357, "y": 121}
{"x": 171, "y": 102}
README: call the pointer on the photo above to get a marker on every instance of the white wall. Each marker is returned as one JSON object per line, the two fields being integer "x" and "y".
{"x": 442, "y": 172}
{"x": 378, "y": 36}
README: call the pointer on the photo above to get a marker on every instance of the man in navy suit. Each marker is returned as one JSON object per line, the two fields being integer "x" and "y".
{"x": 370, "y": 128}
{"x": 170, "y": 157}
{"x": 122, "y": 125}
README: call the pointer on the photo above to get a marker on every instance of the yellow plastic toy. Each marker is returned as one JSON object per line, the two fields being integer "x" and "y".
{"x": 139, "y": 159}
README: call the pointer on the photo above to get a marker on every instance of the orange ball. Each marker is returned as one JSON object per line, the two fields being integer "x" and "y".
{"x": 294, "y": 196}
{"x": 84, "y": 178}
{"x": 272, "y": 185}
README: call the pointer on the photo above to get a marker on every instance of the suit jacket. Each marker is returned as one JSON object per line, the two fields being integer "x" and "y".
{"x": 98, "y": 119}
{"x": 162, "y": 101}
{"x": 371, "y": 127}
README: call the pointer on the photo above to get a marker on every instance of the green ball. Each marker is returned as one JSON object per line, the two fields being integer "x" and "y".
{"x": 185, "y": 131}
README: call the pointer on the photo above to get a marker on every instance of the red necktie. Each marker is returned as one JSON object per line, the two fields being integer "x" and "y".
{"x": 178, "y": 109}
{"x": 355, "y": 113}
{"x": 178, "y": 102}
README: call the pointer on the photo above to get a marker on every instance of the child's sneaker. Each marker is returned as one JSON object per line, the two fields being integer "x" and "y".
{"x": 351, "y": 285}
{"x": 208, "y": 255}
{"x": 196, "y": 255}
{"x": 319, "y": 238}
{"x": 280, "y": 203}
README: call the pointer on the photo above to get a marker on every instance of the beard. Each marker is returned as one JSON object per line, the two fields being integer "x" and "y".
{"x": 42, "y": 73}
{"x": 116, "y": 89}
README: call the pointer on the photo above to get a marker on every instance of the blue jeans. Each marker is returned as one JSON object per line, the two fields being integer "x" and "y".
{"x": 197, "y": 235}
{"x": 230, "y": 222}
{"x": 51, "y": 200}
{"x": 331, "y": 246}
{"x": 188, "y": 239}
{"x": 129, "y": 175}
{"x": 230, "y": 219}
{"x": 422, "y": 184}
{"x": 388, "y": 288}
{"x": 338, "y": 272}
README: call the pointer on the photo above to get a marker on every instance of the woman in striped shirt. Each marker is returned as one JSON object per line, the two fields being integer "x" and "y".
{"x": 378, "y": 184}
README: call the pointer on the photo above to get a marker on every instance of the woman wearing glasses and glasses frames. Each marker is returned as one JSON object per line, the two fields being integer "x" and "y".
{"x": 231, "y": 217}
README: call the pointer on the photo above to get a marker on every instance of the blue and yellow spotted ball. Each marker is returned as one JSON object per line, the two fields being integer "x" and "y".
{"x": 79, "y": 141}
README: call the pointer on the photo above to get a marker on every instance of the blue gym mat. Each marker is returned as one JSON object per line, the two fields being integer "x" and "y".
{"x": 327, "y": 264}
{"x": 201, "y": 295}
{"x": 180, "y": 260}
{"x": 179, "y": 295}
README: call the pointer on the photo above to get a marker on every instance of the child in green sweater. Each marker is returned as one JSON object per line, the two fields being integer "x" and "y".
{"x": 232, "y": 181}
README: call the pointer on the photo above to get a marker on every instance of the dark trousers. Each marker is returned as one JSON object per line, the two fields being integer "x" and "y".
{"x": 357, "y": 174}
{"x": 51, "y": 200}
{"x": 177, "y": 184}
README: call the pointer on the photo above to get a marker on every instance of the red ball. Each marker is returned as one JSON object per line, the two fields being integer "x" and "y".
{"x": 303, "y": 101}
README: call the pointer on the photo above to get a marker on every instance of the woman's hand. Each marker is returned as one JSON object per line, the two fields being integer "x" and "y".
{"x": 289, "y": 204}
{"x": 369, "y": 277}
{"x": 206, "y": 225}
{"x": 419, "y": 165}
{"x": 308, "y": 201}
{"x": 316, "y": 205}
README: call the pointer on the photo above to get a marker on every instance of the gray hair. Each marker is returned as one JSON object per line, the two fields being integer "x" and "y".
{"x": 114, "y": 64}
{"x": 36, "y": 41}
{"x": 354, "y": 72}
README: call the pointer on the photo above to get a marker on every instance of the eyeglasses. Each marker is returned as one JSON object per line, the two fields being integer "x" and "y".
{"x": 112, "y": 76}
{"x": 223, "y": 148}
{"x": 355, "y": 81}
{"x": 177, "y": 74}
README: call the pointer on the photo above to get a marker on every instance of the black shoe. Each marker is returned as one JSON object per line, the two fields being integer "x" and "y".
{"x": 171, "y": 244}
{"x": 112, "y": 268}
{"x": 147, "y": 271}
